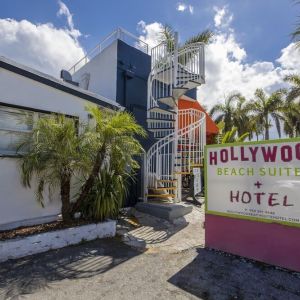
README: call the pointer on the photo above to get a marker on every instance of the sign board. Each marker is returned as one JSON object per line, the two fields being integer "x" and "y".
{"x": 197, "y": 181}
{"x": 256, "y": 180}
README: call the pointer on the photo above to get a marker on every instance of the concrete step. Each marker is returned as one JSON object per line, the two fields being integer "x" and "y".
{"x": 168, "y": 101}
{"x": 168, "y": 212}
{"x": 162, "y": 111}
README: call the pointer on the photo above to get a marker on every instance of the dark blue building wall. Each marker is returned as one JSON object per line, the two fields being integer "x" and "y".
{"x": 192, "y": 93}
{"x": 133, "y": 68}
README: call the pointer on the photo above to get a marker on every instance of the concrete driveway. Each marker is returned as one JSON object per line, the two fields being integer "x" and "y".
{"x": 109, "y": 269}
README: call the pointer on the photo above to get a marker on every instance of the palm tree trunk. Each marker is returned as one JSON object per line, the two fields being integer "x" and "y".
{"x": 266, "y": 128}
{"x": 65, "y": 186}
{"x": 91, "y": 179}
{"x": 267, "y": 134}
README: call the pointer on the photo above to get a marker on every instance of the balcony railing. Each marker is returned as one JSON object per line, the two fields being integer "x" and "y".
{"x": 120, "y": 34}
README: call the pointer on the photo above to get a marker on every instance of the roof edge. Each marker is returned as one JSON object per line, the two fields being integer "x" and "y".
{"x": 56, "y": 83}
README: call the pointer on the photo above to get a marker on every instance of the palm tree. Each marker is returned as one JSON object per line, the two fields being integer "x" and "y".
{"x": 232, "y": 136}
{"x": 241, "y": 119}
{"x": 114, "y": 147}
{"x": 227, "y": 112}
{"x": 202, "y": 37}
{"x": 168, "y": 35}
{"x": 291, "y": 116}
{"x": 56, "y": 153}
{"x": 294, "y": 91}
{"x": 254, "y": 125}
{"x": 265, "y": 107}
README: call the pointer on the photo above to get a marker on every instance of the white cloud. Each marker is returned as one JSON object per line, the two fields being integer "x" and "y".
{"x": 41, "y": 46}
{"x": 227, "y": 68}
{"x": 181, "y": 7}
{"x": 64, "y": 11}
{"x": 227, "y": 71}
{"x": 222, "y": 18}
{"x": 290, "y": 57}
{"x": 185, "y": 7}
{"x": 150, "y": 33}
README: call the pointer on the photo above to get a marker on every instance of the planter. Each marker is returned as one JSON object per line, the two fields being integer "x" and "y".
{"x": 38, "y": 243}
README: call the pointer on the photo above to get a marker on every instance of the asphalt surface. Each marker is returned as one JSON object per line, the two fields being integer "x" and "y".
{"x": 109, "y": 269}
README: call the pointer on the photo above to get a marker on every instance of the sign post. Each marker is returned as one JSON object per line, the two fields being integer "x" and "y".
{"x": 254, "y": 189}
{"x": 197, "y": 181}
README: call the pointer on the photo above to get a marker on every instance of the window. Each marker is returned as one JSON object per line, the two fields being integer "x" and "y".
{"x": 15, "y": 125}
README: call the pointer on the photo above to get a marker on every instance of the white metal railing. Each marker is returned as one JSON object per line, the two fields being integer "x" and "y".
{"x": 120, "y": 34}
{"x": 191, "y": 64}
{"x": 164, "y": 160}
{"x": 182, "y": 134}
{"x": 170, "y": 70}
{"x": 160, "y": 80}
{"x": 191, "y": 140}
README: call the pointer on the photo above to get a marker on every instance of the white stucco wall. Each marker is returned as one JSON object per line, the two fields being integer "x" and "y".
{"x": 103, "y": 72}
{"x": 38, "y": 243}
{"x": 18, "y": 205}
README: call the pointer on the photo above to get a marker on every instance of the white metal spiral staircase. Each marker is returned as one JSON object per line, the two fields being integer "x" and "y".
{"x": 181, "y": 134}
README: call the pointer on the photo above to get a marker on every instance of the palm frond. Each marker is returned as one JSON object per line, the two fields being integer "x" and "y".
{"x": 167, "y": 35}
{"x": 202, "y": 37}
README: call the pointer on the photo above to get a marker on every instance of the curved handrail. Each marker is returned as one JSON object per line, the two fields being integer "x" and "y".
{"x": 180, "y": 131}
{"x": 190, "y": 59}
{"x": 154, "y": 150}
{"x": 172, "y": 69}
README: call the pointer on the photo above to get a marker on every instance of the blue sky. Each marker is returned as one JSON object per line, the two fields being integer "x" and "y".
{"x": 252, "y": 47}
{"x": 262, "y": 26}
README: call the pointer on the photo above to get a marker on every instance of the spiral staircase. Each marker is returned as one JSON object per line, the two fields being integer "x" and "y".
{"x": 180, "y": 134}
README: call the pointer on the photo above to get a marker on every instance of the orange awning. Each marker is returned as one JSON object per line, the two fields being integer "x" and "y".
{"x": 211, "y": 127}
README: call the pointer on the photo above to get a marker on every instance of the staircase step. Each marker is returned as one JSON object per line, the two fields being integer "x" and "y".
{"x": 196, "y": 165}
{"x": 179, "y": 91}
{"x": 160, "y": 196}
{"x": 168, "y": 101}
{"x": 188, "y": 76}
{"x": 168, "y": 211}
{"x": 154, "y": 120}
{"x": 167, "y": 180}
{"x": 161, "y": 129}
{"x": 182, "y": 173}
{"x": 162, "y": 111}
{"x": 191, "y": 84}
{"x": 163, "y": 188}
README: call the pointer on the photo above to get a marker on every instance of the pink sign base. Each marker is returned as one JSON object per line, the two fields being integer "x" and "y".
{"x": 271, "y": 243}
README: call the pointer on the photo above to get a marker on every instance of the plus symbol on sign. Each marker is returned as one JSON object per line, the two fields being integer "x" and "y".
{"x": 258, "y": 184}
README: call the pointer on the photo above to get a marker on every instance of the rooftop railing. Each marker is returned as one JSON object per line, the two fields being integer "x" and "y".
{"x": 120, "y": 34}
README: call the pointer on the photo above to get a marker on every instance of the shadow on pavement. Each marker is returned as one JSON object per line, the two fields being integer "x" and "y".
{"x": 215, "y": 275}
{"x": 26, "y": 275}
{"x": 152, "y": 231}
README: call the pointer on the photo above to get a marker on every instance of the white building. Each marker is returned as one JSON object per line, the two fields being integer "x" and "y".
{"x": 23, "y": 92}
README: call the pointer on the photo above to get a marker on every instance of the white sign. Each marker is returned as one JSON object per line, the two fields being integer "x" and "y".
{"x": 197, "y": 181}
{"x": 259, "y": 181}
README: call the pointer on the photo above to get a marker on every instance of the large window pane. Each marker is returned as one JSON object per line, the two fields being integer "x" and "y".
{"x": 15, "y": 125}
{"x": 13, "y": 119}
{"x": 11, "y": 140}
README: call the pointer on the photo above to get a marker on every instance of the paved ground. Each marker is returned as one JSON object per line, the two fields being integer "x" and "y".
{"x": 110, "y": 269}
{"x": 157, "y": 235}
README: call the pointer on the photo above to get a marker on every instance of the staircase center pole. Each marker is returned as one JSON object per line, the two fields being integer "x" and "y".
{"x": 177, "y": 168}
{"x": 175, "y": 74}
